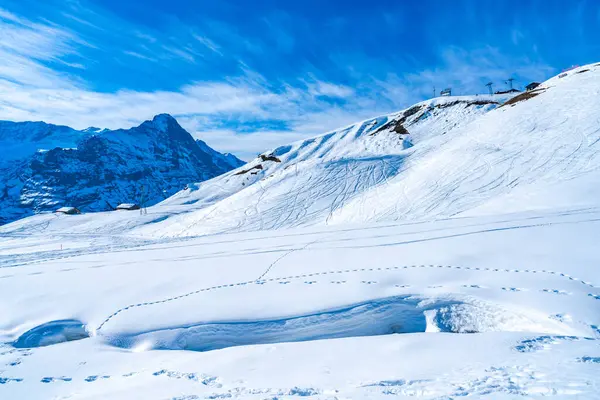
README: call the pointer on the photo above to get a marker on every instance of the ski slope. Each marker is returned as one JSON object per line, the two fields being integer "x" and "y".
{"x": 461, "y": 156}
{"x": 458, "y": 259}
{"x": 300, "y": 184}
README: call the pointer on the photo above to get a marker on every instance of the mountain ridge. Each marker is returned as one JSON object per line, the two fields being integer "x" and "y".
{"x": 440, "y": 158}
{"x": 46, "y": 166}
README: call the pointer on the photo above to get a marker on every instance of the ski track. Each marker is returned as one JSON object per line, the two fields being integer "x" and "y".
{"x": 45, "y": 256}
{"x": 259, "y": 281}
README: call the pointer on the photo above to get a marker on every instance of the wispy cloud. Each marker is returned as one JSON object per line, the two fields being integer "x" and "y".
{"x": 177, "y": 52}
{"x": 138, "y": 55}
{"x": 242, "y": 111}
{"x": 33, "y": 40}
{"x": 208, "y": 108}
{"x": 27, "y": 47}
{"x": 211, "y": 45}
{"x": 320, "y": 88}
{"x": 467, "y": 71}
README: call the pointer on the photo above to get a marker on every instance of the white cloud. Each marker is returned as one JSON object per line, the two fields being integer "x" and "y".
{"x": 516, "y": 36}
{"x": 244, "y": 146}
{"x": 468, "y": 71}
{"x": 8, "y": 16}
{"x": 176, "y": 52}
{"x": 308, "y": 106}
{"x": 145, "y": 36}
{"x": 138, "y": 55}
{"x": 209, "y": 44}
{"x": 320, "y": 88}
{"x": 25, "y": 46}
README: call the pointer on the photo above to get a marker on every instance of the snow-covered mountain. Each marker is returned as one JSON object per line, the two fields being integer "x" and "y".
{"x": 440, "y": 158}
{"x": 46, "y": 166}
{"x": 444, "y": 251}
{"x": 226, "y": 161}
{"x": 443, "y": 157}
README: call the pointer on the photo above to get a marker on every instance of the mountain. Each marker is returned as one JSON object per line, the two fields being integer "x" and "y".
{"x": 44, "y": 166}
{"x": 224, "y": 160}
{"x": 444, "y": 251}
{"x": 451, "y": 156}
{"x": 444, "y": 157}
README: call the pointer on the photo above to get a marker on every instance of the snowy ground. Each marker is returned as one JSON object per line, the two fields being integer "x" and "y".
{"x": 459, "y": 260}
{"x": 500, "y": 306}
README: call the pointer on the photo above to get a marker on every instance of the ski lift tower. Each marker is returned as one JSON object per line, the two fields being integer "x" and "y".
{"x": 510, "y": 82}
{"x": 489, "y": 85}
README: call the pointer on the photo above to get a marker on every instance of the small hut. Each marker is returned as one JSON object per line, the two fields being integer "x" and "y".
{"x": 128, "y": 207}
{"x": 532, "y": 86}
{"x": 68, "y": 211}
{"x": 446, "y": 92}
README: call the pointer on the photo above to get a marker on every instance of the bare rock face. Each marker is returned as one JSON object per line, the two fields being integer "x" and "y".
{"x": 44, "y": 166}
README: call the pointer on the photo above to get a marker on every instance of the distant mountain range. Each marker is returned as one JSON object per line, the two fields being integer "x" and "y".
{"x": 45, "y": 166}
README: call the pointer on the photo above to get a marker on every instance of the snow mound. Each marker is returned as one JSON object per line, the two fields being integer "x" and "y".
{"x": 398, "y": 314}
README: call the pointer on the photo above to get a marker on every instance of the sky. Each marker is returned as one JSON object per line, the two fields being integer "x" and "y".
{"x": 248, "y": 76}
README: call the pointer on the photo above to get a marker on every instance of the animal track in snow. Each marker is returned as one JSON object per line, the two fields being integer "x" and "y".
{"x": 400, "y": 387}
{"x": 561, "y": 317}
{"x": 556, "y": 291}
{"x": 204, "y": 379}
{"x": 544, "y": 342}
{"x": 93, "y": 378}
{"x": 50, "y": 379}
{"x": 591, "y": 360}
{"x": 512, "y": 289}
{"x": 4, "y": 380}
{"x": 261, "y": 281}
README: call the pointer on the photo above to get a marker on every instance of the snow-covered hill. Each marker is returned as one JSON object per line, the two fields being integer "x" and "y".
{"x": 462, "y": 155}
{"x": 45, "y": 166}
{"x": 442, "y": 157}
{"x": 445, "y": 251}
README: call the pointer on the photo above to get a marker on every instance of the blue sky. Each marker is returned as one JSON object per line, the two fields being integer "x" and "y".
{"x": 246, "y": 76}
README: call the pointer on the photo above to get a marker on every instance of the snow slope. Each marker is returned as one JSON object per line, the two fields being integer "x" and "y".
{"x": 299, "y": 184}
{"x": 457, "y": 260}
{"x": 45, "y": 166}
{"x": 482, "y": 306}
{"x": 440, "y": 158}
{"x": 461, "y": 158}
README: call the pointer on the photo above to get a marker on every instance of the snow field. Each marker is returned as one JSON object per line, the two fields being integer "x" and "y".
{"x": 459, "y": 262}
